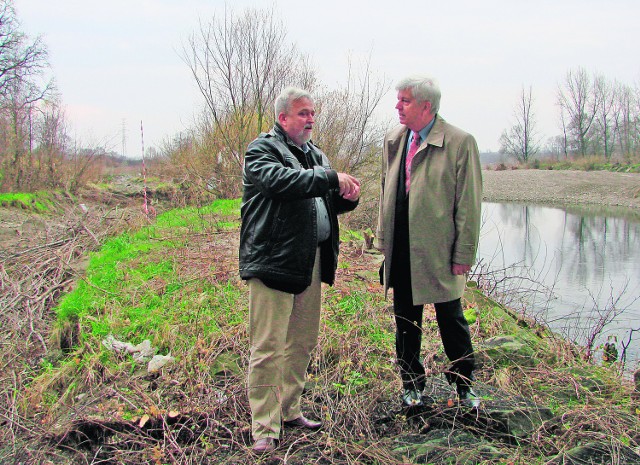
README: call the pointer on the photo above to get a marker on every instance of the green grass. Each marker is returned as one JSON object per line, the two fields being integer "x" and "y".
{"x": 170, "y": 283}
{"x": 40, "y": 202}
{"x": 133, "y": 289}
{"x": 355, "y": 314}
{"x": 142, "y": 285}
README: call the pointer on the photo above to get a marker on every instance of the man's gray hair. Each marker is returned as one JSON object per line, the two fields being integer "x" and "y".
{"x": 423, "y": 88}
{"x": 287, "y": 97}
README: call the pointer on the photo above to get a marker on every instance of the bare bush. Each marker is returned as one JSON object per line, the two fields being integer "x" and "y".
{"x": 240, "y": 64}
{"x": 348, "y": 133}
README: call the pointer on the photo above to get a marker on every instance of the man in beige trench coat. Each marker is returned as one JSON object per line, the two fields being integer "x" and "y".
{"x": 428, "y": 229}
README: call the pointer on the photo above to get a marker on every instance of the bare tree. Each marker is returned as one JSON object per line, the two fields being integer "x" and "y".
{"x": 19, "y": 58}
{"x": 52, "y": 143}
{"x": 345, "y": 128}
{"x": 555, "y": 146}
{"x": 564, "y": 137}
{"x": 22, "y": 65}
{"x": 605, "y": 95}
{"x": 626, "y": 120}
{"x": 18, "y": 106}
{"x": 520, "y": 141}
{"x": 240, "y": 63}
{"x": 348, "y": 133}
{"x": 580, "y": 103}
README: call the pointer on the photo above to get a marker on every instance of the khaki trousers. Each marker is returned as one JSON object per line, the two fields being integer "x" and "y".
{"x": 283, "y": 330}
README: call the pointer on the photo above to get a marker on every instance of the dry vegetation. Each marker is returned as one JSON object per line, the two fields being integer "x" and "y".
{"x": 40, "y": 259}
{"x": 66, "y": 399}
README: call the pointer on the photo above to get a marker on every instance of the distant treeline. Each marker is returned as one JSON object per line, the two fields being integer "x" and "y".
{"x": 597, "y": 117}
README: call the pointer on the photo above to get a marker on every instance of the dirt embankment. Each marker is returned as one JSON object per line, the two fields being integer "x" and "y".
{"x": 599, "y": 188}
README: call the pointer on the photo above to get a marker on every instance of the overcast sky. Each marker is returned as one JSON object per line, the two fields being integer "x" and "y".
{"x": 117, "y": 62}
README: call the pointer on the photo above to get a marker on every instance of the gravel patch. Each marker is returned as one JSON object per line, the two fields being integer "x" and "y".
{"x": 601, "y": 188}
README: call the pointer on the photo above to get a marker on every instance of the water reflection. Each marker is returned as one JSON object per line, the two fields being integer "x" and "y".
{"x": 584, "y": 267}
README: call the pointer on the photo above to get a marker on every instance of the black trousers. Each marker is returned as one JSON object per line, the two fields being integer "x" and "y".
{"x": 454, "y": 333}
{"x": 454, "y": 329}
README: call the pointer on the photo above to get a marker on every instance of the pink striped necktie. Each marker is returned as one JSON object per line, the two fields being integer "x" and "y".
{"x": 413, "y": 148}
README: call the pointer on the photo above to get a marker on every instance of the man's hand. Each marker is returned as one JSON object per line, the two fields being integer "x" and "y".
{"x": 349, "y": 186}
{"x": 458, "y": 269}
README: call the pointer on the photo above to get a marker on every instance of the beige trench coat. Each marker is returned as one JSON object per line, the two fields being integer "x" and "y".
{"x": 444, "y": 209}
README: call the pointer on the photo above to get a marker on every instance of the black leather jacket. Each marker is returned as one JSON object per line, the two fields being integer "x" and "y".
{"x": 278, "y": 236}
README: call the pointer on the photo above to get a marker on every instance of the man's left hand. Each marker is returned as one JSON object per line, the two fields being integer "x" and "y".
{"x": 458, "y": 269}
{"x": 349, "y": 187}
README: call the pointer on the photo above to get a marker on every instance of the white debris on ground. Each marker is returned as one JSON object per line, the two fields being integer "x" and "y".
{"x": 140, "y": 353}
{"x": 158, "y": 361}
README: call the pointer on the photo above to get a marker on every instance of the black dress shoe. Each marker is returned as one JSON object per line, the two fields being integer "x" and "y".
{"x": 264, "y": 445}
{"x": 412, "y": 398}
{"x": 468, "y": 398}
{"x": 302, "y": 422}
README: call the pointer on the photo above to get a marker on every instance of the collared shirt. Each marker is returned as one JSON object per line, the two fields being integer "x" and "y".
{"x": 424, "y": 132}
{"x": 323, "y": 221}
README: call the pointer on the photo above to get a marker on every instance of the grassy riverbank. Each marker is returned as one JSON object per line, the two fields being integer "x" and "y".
{"x": 174, "y": 283}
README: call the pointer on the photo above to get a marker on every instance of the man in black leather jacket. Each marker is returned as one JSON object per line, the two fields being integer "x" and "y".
{"x": 288, "y": 246}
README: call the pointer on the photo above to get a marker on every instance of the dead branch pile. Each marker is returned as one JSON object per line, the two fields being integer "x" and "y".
{"x": 33, "y": 274}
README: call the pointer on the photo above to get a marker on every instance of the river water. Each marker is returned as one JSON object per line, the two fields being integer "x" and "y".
{"x": 576, "y": 270}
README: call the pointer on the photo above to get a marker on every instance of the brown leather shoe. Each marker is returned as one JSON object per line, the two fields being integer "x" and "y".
{"x": 302, "y": 422}
{"x": 264, "y": 445}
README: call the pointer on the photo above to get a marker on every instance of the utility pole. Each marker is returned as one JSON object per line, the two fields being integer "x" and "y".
{"x": 124, "y": 137}
{"x": 146, "y": 207}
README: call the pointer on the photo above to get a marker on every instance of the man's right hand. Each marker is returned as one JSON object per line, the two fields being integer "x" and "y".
{"x": 349, "y": 186}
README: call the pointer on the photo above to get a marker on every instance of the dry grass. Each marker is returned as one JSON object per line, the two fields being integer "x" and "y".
{"x": 35, "y": 269}
{"x": 87, "y": 406}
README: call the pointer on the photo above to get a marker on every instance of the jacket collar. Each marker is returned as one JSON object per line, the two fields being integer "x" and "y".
{"x": 278, "y": 131}
{"x": 436, "y": 135}
{"x": 399, "y": 134}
